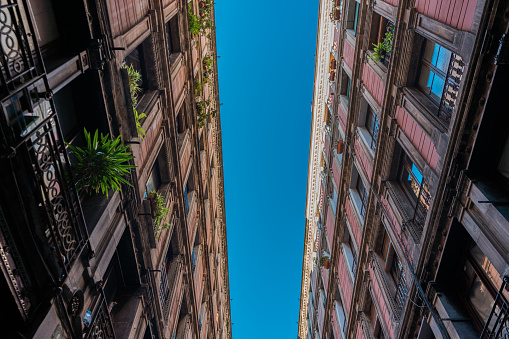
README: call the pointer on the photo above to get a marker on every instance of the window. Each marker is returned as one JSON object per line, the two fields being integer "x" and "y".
{"x": 435, "y": 62}
{"x": 363, "y": 194}
{"x": 478, "y": 285}
{"x": 380, "y": 26}
{"x": 348, "y": 88}
{"x": 173, "y": 37}
{"x": 358, "y": 192}
{"x": 416, "y": 190}
{"x": 137, "y": 59}
{"x": 142, "y": 60}
{"x": 394, "y": 268}
{"x": 349, "y": 250}
{"x": 372, "y": 126}
{"x": 353, "y": 17}
{"x": 154, "y": 181}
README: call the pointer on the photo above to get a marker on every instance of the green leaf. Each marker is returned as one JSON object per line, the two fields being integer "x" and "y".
{"x": 101, "y": 165}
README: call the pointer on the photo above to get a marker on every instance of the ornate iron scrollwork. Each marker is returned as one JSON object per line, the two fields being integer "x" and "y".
{"x": 16, "y": 57}
{"x": 64, "y": 231}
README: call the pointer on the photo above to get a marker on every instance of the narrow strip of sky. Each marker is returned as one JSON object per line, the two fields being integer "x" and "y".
{"x": 266, "y": 69}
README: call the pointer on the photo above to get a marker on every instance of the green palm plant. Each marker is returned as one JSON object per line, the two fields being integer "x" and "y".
{"x": 101, "y": 165}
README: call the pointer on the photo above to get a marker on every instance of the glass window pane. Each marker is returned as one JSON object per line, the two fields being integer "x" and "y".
{"x": 437, "y": 88}
{"x": 484, "y": 263}
{"x": 481, "y": 299}
{"x": 443, "y": 59}
{"x": 417, "y": 174}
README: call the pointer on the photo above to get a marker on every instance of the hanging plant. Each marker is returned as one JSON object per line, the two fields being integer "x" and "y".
{"x": 101, "y": 165}
{"x": 198, "y": 87}
{"x": 159, "y": 211}
{"x": 138, "y": 117}
{"x": 135, "y": 89}
{"x": 194, "y": 22}
{"x": 383, "y": 48}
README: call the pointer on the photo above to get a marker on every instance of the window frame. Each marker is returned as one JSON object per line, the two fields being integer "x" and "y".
{"x": 432, "y": 68}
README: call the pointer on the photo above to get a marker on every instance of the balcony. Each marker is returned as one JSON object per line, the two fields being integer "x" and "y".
{"x": 203, "y": 165}
{"x": 19, "y": 66}
{"x": 35, "y": 178}
{"x": 191, "y": 213}
{"x": 170, "y": 285}
{"x": 184, "y": 143}
{"x": 391, "y": 296}
{"x": 100, "y": 326}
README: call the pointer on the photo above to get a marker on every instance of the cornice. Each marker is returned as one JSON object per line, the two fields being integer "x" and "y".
{"x": 320, "y": 93}
{"x": 220, "y": 199}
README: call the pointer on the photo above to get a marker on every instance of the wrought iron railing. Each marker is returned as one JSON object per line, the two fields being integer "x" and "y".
{"x": 497, "y": 325}
{"x": 421, "y": 207}
{"x": 65, "y": 229}
{"x": 451, "y": 88}
{"x": 19, "y": 54}
{"x": 401, "y": 293}
{"x": 100, "y": 326}
{"x": 167, "y": 290}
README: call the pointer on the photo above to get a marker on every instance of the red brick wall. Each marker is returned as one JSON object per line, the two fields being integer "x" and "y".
{"x": 348, "y": 52}
{"x": 353, "y": 222}
{"x": 178, "y": 83}
{"x": 381, "y": 302}
{"x": 344, "y": 282}
{"x": 341, "y": 117}
{"x": 125, "y": 14}
{"x": 363, "y": 159}
{"x": 454, "y": 13}
{"x": 418, "y": 137}
{"x": 374, "y": 84}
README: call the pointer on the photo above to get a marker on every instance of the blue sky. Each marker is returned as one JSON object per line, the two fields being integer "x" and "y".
{"x": 266, "y": 69}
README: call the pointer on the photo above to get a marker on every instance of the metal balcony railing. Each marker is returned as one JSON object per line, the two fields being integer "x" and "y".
{"x": 65, "y": 230}
{"x": 19, "y": 53}
{"x": 100, "y": 326}
{"x": 451, "y": 88}
{"x": 497, "y": 325}
{"x": 170, "y": 282}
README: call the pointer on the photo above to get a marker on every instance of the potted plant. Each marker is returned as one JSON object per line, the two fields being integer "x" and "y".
{"x": 325, "y": 262}
{"x": 383, "y": 48}
{"x": 159, "y": 210}
{"x": 101, "y": 164}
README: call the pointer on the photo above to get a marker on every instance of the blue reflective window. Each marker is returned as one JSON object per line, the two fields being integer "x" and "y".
{"x": 435, "y": 62}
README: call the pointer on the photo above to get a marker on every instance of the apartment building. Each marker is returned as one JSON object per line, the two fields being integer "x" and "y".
{"x": 122, "y": 236}
{"x": 406, "y": 216}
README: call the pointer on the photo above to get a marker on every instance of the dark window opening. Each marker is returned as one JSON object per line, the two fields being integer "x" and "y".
{"x": 416, "y": 190}
{"x": 363, "y": 195}
{"x": 372, "y": 126}
{"x": 173, "y": 36}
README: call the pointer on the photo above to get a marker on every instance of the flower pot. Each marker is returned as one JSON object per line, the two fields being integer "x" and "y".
{"x": 326, "y": 264}
{"x": 201, "y": 4}
{"x": 339, "y": 148}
